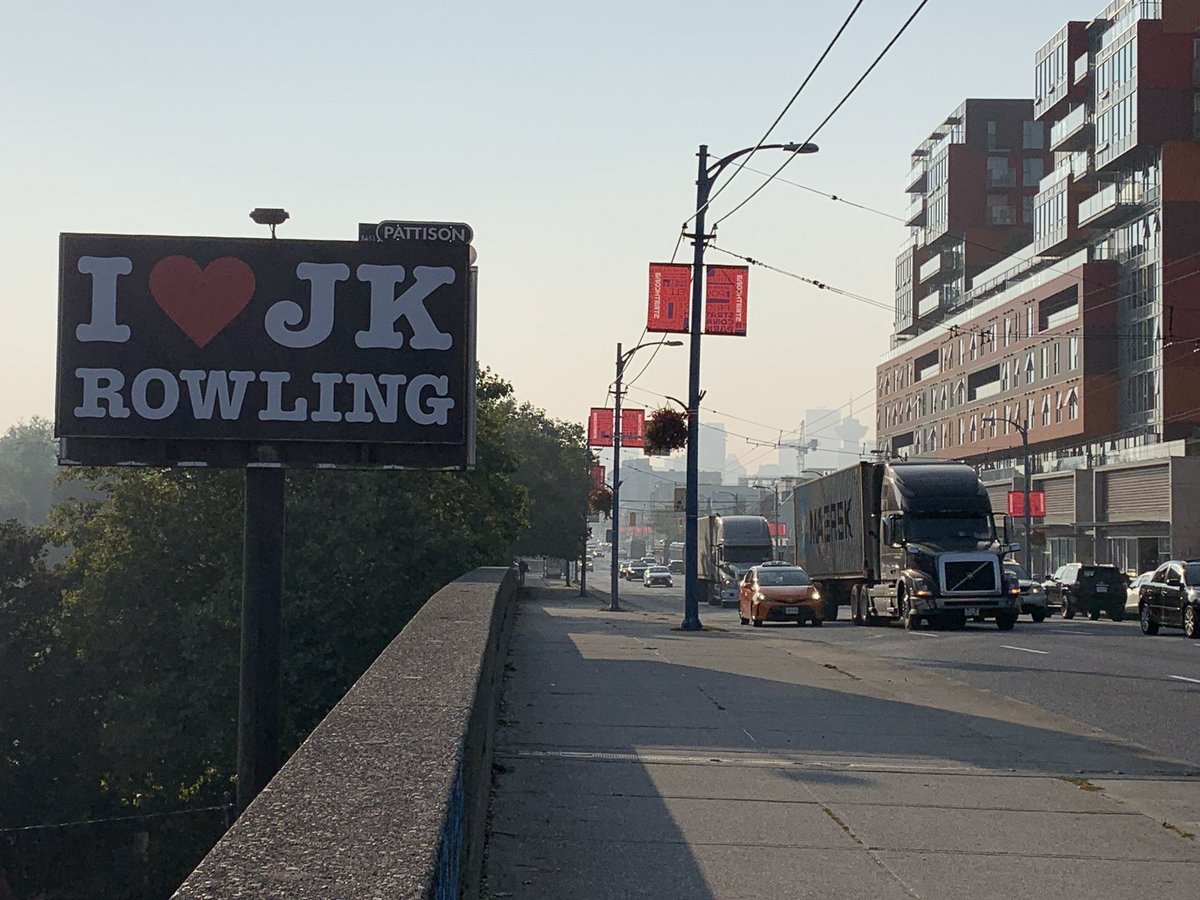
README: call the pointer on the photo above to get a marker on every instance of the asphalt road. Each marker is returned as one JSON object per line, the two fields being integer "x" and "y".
{"x": 1104, "y": 674}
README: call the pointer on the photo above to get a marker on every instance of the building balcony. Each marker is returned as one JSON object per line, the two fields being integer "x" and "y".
{"x": 940, "y": 265}
{"x": 930, "y": 304}
{"x": 1081, "y": 165}
{"x": 915, "y": 215}
{"x": 917, "y": 179}
{"x": 1083, "y": 68}
{"x": 1072, "y": 132}
{"x": 1058, "y": 176}
{"x": 1112, "y": 204}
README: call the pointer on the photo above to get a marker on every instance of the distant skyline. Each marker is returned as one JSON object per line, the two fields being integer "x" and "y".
{"x": 565, "y": 135}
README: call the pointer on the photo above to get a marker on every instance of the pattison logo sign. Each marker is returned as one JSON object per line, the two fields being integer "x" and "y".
{"x": 215, "y": 339}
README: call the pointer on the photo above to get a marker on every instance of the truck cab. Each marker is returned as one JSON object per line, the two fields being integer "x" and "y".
{"x": 940, "y": 557}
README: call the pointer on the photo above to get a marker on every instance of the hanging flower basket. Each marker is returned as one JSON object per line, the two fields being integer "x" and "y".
{"x": 600, "y": 501}
{"x": 666, "y": 430}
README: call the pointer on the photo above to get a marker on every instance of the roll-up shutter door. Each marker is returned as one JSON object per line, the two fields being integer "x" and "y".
{"x": 1138, "y": 495}
{"x": 1060, "y": 499}
{"x": 998, "y": 494}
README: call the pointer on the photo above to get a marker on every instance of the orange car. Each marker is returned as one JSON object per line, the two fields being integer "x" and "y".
{"x": 779, "y": 593}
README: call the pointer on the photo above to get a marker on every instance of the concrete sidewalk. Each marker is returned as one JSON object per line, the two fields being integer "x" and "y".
{"x": 635, "y": 760}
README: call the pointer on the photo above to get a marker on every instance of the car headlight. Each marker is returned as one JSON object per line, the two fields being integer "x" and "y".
{"x": 922, "y": 588}
{"x": 759, "y": 597}
{"x": 816, "y": 595}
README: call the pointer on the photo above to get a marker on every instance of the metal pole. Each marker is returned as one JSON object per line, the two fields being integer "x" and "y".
{"x": 613, "y": 604}
{"x": 1028, "y": 546}
{"x": 691, "y": 591}
{"x": 262, "y": 601}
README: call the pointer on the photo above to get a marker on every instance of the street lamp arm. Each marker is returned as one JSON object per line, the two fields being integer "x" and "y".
{"x": 719, "y": 166}
{"x": 1021, "y": 428}
{"x": 663, "y": 343}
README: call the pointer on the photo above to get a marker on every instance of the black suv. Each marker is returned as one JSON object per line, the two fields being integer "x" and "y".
{"x": 1170, "y": 598}
{"x": 1078, "y": 587}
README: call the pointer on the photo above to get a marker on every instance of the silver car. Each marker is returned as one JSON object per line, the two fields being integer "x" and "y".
{"x": 658, "y": 575}
{"x": 1033, "y": 595}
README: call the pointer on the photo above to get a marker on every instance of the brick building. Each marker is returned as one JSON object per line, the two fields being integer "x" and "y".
{"x": 1087, "y": 335}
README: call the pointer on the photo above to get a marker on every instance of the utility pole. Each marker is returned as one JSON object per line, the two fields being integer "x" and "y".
{"x": 705, "y": 178}
{"x": 613, "y": 604}
{"x": 1023, "y": 430}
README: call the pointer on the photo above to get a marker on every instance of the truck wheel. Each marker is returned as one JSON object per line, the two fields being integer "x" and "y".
{"x": 857, "y": 613}
{"x": 1006, "y": 620}
{"x": 911, "y": 622}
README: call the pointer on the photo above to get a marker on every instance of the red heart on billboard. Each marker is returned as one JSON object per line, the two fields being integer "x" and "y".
{"x": 201, "y": 302}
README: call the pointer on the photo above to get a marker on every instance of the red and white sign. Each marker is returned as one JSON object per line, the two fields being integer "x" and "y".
{"x": 777, "y": 529}
{"x": 725, "y": 300}
{"x": 1037, "y": 504}
{"x": 670, "y": 296}
{"x": 600, "y": 427}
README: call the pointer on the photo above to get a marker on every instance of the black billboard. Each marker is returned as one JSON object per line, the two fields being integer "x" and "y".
{"x": 228, "y": 351}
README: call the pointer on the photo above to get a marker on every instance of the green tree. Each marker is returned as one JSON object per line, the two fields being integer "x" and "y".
{"x": 555, "y": 470}
{"x": 142, "y": 625}
{"x": 28, "y": 463}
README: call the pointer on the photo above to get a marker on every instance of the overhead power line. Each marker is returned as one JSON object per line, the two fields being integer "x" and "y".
{"x": 767, "y": 134}
{"x": 787, "y": 159}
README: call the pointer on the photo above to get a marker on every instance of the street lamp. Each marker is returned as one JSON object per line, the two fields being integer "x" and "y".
{"x": 622, "y": 359}
{"x": 706, "y": 177}
{"x": 774, "y": 489}
{"x": 1023, "y": 428}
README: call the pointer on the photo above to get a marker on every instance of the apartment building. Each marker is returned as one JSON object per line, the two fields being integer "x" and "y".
{"x": 1086, "y": 340}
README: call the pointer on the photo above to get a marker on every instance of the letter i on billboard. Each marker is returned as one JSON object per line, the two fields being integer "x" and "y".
{"x": 670, "y": 297}
{"x": 725, "y": 300}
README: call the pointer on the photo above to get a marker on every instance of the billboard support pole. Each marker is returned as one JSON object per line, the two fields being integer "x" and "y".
{"x": 262, "y": 603}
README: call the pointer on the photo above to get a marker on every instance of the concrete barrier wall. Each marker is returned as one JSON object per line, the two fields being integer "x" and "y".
{"x": 388, "y": 796}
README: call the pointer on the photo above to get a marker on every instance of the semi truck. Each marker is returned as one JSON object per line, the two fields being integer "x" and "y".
{"x": 913, "y": 541}
{"x": 726, "y": 547}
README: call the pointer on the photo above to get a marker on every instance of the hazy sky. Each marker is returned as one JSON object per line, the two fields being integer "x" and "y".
{"x": 565, "y": 133}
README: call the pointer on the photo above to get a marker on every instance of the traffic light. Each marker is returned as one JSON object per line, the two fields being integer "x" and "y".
{"x": 680, "y": 498}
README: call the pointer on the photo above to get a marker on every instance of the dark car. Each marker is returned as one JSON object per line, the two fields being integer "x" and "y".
{"x": 1081, "y": 587}
{"x": 637, "y": 569}
{"x": 676, "y": 566}
{"x": 1033, "y": 595}
{"x": 1170, "y": 598}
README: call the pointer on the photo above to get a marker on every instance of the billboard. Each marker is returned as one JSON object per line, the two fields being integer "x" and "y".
{"x": 600, "y": 427}
{"x": 229, "y": 351}
{"x": 670, "y": 296}
{"x": 725, "y": 299}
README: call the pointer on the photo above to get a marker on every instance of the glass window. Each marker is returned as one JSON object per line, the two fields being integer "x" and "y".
{"x": 1073, "y": 353}
{"x": 999, "y": 173}
{"x": 1033, "y": 171}
{"x": 1034, "y": 135}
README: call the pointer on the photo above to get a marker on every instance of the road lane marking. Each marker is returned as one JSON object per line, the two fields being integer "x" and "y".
{"x": 1026, "y": 650}
{"x": 923, "y": 634}
{"x": 1181, "y": 678}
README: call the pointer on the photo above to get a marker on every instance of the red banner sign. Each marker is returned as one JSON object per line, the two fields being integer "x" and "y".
{"x": 600, "y": 427}
{"x": 777, "y": 529}
{"x": 670, "y": 296}
{"x": 725, "y": 300}
{"x": 1037, "y": 504}
{"x": 597, "y": 477}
